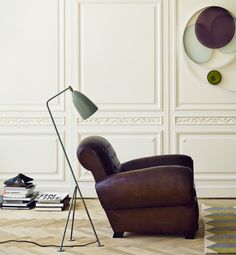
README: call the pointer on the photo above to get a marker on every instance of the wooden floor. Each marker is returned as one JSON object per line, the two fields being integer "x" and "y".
{"x": 47, "y": 228}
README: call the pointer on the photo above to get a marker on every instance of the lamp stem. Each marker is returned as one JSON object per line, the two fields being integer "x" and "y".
{"x": 69, "y": 164}
{"x": 63, "y": 91}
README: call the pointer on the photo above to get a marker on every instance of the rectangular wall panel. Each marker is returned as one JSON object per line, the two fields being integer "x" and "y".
{"x": 31, "y": 50}
{"x": 36, "y": 154}
{"x": 212, "y": 153}
{"x": 214, "y": 161}
{"x": 121, "y": 54}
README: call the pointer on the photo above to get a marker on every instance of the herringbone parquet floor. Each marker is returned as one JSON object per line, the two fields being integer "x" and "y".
{"x": 47, "y": 228}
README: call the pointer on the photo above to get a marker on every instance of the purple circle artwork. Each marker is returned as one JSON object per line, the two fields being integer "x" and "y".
{"x": 209, "y": 31}
{"x": 215, "y": 27}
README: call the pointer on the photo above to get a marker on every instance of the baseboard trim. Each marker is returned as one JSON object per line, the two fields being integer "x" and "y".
{"x": 216, "y": 191}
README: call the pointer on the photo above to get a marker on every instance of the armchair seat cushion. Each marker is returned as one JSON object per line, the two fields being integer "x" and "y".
{"x": 148, "y": 187}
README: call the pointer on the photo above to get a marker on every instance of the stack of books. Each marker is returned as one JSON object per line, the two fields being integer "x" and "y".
{"x": 48, "y": 201}
{"x": 20, "y": 197}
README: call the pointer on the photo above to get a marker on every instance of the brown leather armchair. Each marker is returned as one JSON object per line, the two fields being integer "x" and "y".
{"x": 154, "y": 194}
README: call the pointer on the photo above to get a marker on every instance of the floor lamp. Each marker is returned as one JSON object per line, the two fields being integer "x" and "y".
{"x": 86, "y": 108}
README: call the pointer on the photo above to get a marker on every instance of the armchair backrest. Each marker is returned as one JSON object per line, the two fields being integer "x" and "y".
{"x": 97, "y": 155}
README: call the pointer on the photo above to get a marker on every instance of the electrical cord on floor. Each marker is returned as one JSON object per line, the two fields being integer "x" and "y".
{"x": 47, "y": 245}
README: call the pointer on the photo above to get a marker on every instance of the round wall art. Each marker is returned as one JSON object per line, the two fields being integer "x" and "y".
{"x": 210, "y": 45}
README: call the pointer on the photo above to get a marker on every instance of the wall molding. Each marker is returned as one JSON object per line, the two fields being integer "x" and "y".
{"x": 118, "y": 1}
{"x": 30, "y": 121}
{"x": 124, "y": 121}
{"x": 211, "y": 190}
{"x": 215, "y": 176}
{"x": 217, "y": 120}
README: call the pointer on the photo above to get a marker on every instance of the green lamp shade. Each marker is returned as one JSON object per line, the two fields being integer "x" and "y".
{"x": 83, "y": 104}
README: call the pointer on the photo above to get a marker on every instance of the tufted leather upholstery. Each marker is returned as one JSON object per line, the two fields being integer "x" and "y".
{"x": 97, "y": 155}
{"x": 152, "y": 194}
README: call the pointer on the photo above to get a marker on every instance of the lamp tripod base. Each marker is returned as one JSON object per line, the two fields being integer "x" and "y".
{"x": 72, "y": 207}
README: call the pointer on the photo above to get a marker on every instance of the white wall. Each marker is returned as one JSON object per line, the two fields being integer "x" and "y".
{"x": 127, "y": 57}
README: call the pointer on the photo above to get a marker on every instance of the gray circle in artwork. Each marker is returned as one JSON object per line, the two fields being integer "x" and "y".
{"x": 196, "y": 51}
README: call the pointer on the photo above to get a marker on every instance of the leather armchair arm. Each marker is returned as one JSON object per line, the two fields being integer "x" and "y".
{"x": 148, "y": 187}
{"x": 174, "y": 159}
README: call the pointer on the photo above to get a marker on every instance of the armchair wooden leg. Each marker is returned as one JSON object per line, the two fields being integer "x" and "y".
{"x": 190, "y": 235}
{"x": 118, "y": 234}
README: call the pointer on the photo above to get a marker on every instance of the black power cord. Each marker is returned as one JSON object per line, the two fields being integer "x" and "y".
{"x": 47, "y": 245}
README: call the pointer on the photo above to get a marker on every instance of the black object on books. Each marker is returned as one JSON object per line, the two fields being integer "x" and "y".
{"x": 20, "y": 180}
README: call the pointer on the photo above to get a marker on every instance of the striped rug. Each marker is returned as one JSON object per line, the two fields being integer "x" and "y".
{"x": 220, "y": 229}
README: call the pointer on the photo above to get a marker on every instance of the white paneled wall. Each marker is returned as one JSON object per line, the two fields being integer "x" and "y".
{"x": 128, "y": 57}
{"x": 32, "y": 67}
